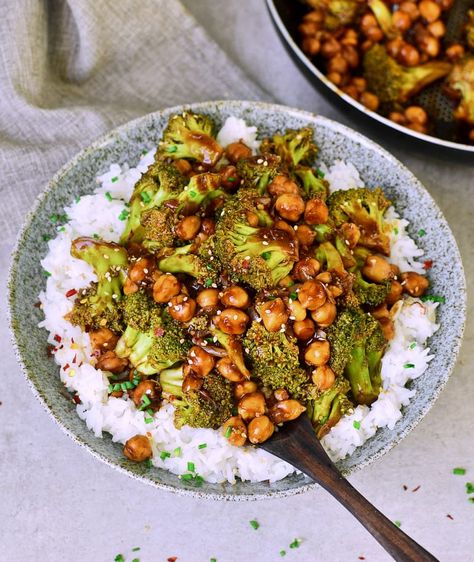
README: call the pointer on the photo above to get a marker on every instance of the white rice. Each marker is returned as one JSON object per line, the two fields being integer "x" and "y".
{"x": 406, "y": 358}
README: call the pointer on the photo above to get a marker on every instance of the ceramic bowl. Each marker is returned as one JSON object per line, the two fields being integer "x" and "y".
{"x": 125, "y": 144}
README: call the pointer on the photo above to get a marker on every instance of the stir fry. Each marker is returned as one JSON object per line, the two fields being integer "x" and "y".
{"x": 242, "y": 292}
{"x": 385, "y": 53}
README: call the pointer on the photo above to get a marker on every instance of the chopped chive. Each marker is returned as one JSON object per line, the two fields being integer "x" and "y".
{"x": 395, "y": 230}
{"x": 356, "y": 424}
{"x": 177, "y": 452}
{"x": 409, "y": 366}
{"x": 145, "y": 400}
{"x": 148, "y": 420}
{"x": 47, "y": 273}
{"x": 77, "y": 199}
{"x": 108, "y": 196}
{"x": 127, "y": 204}
{"x": 129, "y": 385}
{"x": 421, "y": 232}
{"x": 96, "y": 236}
{"x": 136, "y": 549}
{"x": 54, "y": 218}
{"x": 123, "y": 215}
{"x": 459, "y": 471}
{"x": 231, "y": 178}
{"x": 116, "y": 387}
{"x": 46, "y": 237}
{"x": 171, "y": 148}
{"x": 114, "y": 179}
{"x": 62, "y": 229}
{"x": 202, "y": 446}
{"x": 145, "y": 197}
{"x": 164, "y": 455}
{"x": 293, "y": 296}
{"x": 119, "y": 558}
{"x": 469, "y": 488}
{"x": 149, "y": 411}
{"x": 186, "y": 477}
{"x": 208, "y": 283}
{"x": 228, "y": 432}
{"x": 136, "y": 560}
{"x": 398, "y": 523}
{"x": 198, "y": 480}
{"x": 110, "y": 388}
{"x": 123, "y": 386}
{"x": 320, "y": 173}
{"x": 149, "y": 463}
{"x": 413, "y": 345}
{"x": 432, "y": 298}
{"x": 254, "y": 524}
{"x": 191, "y": 466}
{"x": 266, "y": 255}
{"x": 235, "y": 411}
{"x": 470, "y": 500}
{"x": 213, "y": 560}
{"x": 295, "y": 544}
{"x": 210, "y": 267}
{"x": 282, "y": 552}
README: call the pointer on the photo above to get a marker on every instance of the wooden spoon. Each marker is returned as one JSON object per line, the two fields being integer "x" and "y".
{"x": 296, "y": 443}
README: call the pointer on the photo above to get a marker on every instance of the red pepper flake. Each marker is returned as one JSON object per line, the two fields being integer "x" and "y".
{"x": 245, "y": 264}
{"x": 57, "y": 338}
{"x": 66, "y": 366}
{"x": 405, "y": 487}
{"x": 50, "y": 350}
{"x": 417, "y": 488}
{"x": 449, "y": 516}
{"x": 37, "y": 305}
{"x": 75, "y": 359}
{"x": 361, "y": 557}
{"x": 61, "y": 346}
{"x": 71, "y": 293}
{"x": 159, "y": 332}
{"x": 428, "y": 264}
{"x": 80, "y": 364}
{"x": 172, "y": 559}
{"x": 76, "y": 399}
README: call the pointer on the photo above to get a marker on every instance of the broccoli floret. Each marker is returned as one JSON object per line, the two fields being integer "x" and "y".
{"x": 344, "y": 251}
{"x": 191, "y": 135}
{"x": 330, "y": 258}
{"x": 234, "y": 349}
{"x": 337, "y": 13}
{"x": 461, "y": 79}
{"x": 201, "y": 189}
{"x": 183, "y": 260}
{"x": 258, "y": 256}
{"x": 274, "y": 360}
{"x": 162, "y": 182}
{"x": 152, "y": 341}
{"x": 384, "y": 18}
{"x": 295, "y": 147}
{"x": 313, "y": 185}
{"x": 258, "y": 171}
{"x": 208, "y": 407}
{"x": 98, "y": 306}
{"x": 371, "y": 294}
{"x": 158, "y": 229}
{"x": 365, "y": 208}
{"x": 395, "y": 84}
{"x": 357, "y": 345}
{"x": 329, "y": 407}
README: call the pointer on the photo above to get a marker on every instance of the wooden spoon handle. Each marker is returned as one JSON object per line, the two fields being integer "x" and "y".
{"x": 395, "y": 541}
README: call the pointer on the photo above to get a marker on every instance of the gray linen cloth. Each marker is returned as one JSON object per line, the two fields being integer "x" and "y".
{"x": 72, "y": 69}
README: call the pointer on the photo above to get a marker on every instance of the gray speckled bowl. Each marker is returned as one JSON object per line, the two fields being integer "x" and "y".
{"x": 125, "y": 144}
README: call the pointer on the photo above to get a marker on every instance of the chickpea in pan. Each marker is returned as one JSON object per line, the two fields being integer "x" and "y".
{"x": 138, "y": 448}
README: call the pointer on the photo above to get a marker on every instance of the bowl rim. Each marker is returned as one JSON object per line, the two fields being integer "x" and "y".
{"x": 239, "y": 105}
{"x": 458, "y": 146}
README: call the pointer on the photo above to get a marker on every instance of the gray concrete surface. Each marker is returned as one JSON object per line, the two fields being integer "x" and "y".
{"x": 57, "y": 503}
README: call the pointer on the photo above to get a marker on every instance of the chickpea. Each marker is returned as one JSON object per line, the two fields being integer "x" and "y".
{"x": 200, "y": 361}
{"x": 236, "y": 151}
{"x": 351, "y": 90}
{"x": 430, "y": 45}
{"x": 335, "y": 78}
{"x": 232, "y": 321}
{"x": 395, "y": 294}
{"x": 315, "y": 15}
{"x": 208, "y": 226}
{"x": 282, "y": 184}
{"x": 394, "y": 46}
{"x": 374, "y": 34}
{"x": 230, "y": 179}
{"x": 312, "y": 295}
{"x": 183, "y": 166}
{"x": 325, "y": 315}
{"x": 317, "y": 353}
{"x": 429, "y": 10}
{"x": 416, "y": 114}
{"x": 401, "y": 20}
{"x": 252, "y": 218}
{"x": 316, "y": 212}
{"x": 414, "y": 283}
{"x": 338, "y": 64}
{"x": 260, "y": 429}
{"x": 305, "y": 269}
{"x": 377, "y": 269}
{"x": 297, "y": 310}
{"x": 274, "y": 314}
{"x": 188, "y": 227}
{"x": 228, "y": 370}
{"x": 252, "y": 405}
{"x": 366, "y": 45}
{"x": 471, "y": 135}
{"x": 454, "y": 52}
{"x": 360, "y": 83}
{"x": 243, "y": 388}
{"x": 238, "y": 435}
{"x": 330, "y": 47}
{"x": 208, "y": 298}
{"x": 323, "y": 377}
{"x": 411, "y": 9}
{"x": 388, "y": 328}
{"x": 397, "y": 117}
{"x": 371, "y": 101}
{"x": 305, "y": 235}
{"x": 191, "y": 381}
{"x": 140, "y": 269}
{"x": 235, "y": 296}
{"x": 149, "y": 388}
{"x": 308, "y": 28}
{"x": 129, "y": 287}
{"x": 367, "y": 21}
{"x": 380, "y": 311}
{"x": 182, "y": 308}
{"x": 282, "y": 225}
{"x": 103, "y": 339}
{"x": 109, "y": 361}
{"x": 286, "y": 410}
{"x": 437, "y": 29}
{"x": 138, "y": 448}
{"x": 311, "y": 45}
{"x": 335, "y": 291}
{"x": 289, "y": 206}
{"x": 409, "y": 56}
{"x": 351, "y": 55}
{"x": 304, "y": 329}
{"x": 286, "y": 282}
{"x": 165, "y": 288}
{"x": 350, "y": 233}
{"x": 281, "y": 394}
{"x": 324, "y": 277}
{"x": 350, "y": 38}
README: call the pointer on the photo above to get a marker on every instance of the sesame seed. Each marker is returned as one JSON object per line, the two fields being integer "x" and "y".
{"x": 267, "y": 311}
{"x": 265, "y": 163}
{"x": 260, "y": 161}
{"x": 247, "y": 350}
{"x": 292, "y": 318}
{"x": 181, "y": 340}
{"x": 219, "y": 312}
{"x": 106, "y": 257}
{"x": 265, "y": 243}
{"x": 145, "y": 270}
